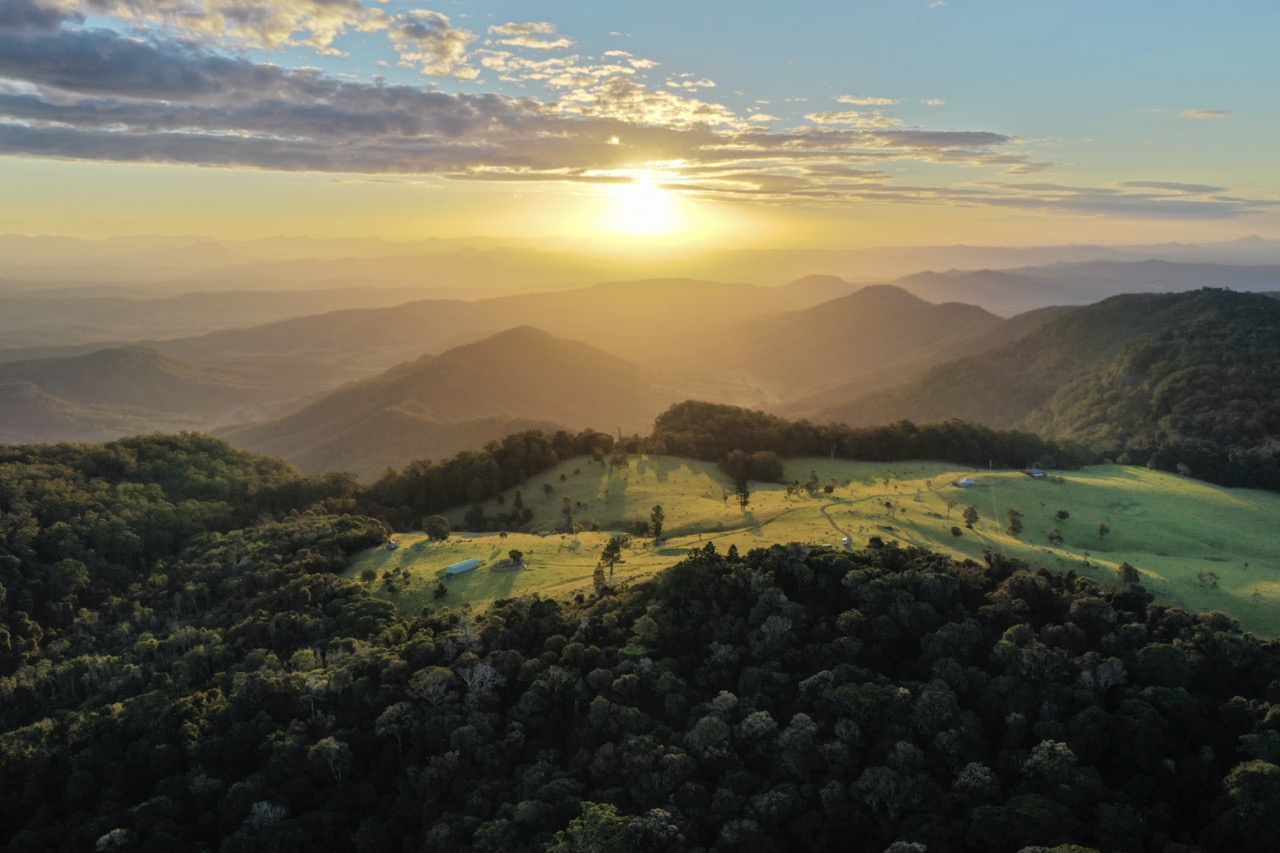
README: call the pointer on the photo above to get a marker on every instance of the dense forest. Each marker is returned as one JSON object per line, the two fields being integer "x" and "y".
{"x": 1202, "y": 398}
{"x": 181, "y": 669}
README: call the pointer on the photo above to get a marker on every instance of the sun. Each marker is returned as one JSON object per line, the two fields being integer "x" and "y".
{"x": 628, "y": 210}
{"x": 642, "y": 208}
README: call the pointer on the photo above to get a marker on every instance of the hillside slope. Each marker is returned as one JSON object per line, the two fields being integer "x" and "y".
{"x": 112, "y": 392}
{"x": 1173, "y": 377}
{"x": 876, "y": 334}
{"x": 519, "y": 379}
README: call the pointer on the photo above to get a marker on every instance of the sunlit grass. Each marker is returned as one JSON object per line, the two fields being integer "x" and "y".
{"x": 1197, "y": 546}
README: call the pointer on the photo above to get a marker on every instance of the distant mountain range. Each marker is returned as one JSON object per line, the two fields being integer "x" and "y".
{"x": 488, "y": 266}
{"x": 1012, "y": 291}
{"x": 41, "y": 318}
{"x": 432, "y": 377}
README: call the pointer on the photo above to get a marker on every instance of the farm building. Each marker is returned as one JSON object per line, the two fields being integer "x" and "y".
{"x": 1035, "y": 473}
{"x": 462, "y": 566}
{"x": 965, "y": 483}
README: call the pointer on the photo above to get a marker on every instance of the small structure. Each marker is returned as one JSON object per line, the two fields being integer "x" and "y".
{"x": 965, "y": 483}
{"x": 392, "y": 545}
{"x": 462, "y": 567}
{"x": 1035, "y": 473}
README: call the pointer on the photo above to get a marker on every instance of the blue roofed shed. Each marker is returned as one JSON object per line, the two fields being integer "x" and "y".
{"x": 462, "y": 566}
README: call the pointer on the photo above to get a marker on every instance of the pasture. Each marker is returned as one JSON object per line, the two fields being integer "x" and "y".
{"x": 1197, "y": 546}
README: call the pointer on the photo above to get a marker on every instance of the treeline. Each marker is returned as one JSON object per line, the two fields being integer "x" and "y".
{"x": 246, "y": 699}
{"x": 748, "y": 445}
{"x": 424, "y": 487}
{"x": 711, "y": 431}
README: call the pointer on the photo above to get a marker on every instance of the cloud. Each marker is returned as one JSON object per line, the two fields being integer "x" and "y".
{"x": 943, "y": 139}
{"x": 428, "y": 41}
{"x": 537, "y": 35}
{"x": 1204, "y": 114}
{"x": 267, "y": 24}
{"x": 538, "y": 44}
{"x": 100, "y": 95}
{"x": 933, "y": 102}
{"x": 625, "y": 99}
{"x": 542, "y": 28}
{"x": 1027, "y": 168}
{"x": 692, "y": 85}
{"x": 1173, "y": 187}
{"x": 1120, "y": 201}
{"x": 858, "y": 101}
{"x": 853, "y": 118}
{"x": 30, "y": 14}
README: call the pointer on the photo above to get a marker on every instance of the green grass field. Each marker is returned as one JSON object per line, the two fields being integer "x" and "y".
{"x": 1198, "y": 546}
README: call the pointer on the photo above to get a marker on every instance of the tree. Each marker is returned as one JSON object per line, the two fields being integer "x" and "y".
{"x": 1128, "y": 574}
{"x": 336, "y": 755}
{"x": 1103, "y": 529}
{"x": 1015, "y": 522}
{"x": 516, "y": 556}
{"x": 743, "y": 491}
{"x": 612, "y": 553}
{"x": 600, "y": 829}
{"x": 656, "y": 519}
{"x": 1062, "y": 515}
{"x": 956, "y": 531}
{"x": 437, "y": 528}
{"x": 1055, "y": 536}
{"x": 970, "y": 516}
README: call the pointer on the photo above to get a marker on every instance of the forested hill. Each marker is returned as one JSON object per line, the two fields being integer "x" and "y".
{"x": 1202, "y": 397}
{"x": 241, "y": 697}
{"x": 436, "y": 406}
{"x": 1169, "y": 379}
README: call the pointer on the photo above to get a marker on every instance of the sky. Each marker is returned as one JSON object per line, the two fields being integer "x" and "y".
{"x": 643, "y": 125}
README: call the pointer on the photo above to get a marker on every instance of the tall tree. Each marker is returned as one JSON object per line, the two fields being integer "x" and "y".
{"x": 656, "y": 520}
{"x": 612, "y": 553}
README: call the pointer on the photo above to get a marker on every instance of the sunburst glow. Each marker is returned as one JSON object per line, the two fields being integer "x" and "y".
{"x": 642, "y": 208}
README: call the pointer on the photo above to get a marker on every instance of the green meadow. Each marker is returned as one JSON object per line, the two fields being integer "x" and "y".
{"x": 1197, "y": 546}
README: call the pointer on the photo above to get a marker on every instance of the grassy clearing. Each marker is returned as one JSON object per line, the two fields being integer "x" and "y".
{"x": 1197, "y": 546}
